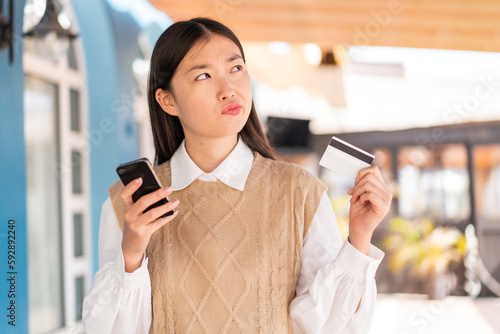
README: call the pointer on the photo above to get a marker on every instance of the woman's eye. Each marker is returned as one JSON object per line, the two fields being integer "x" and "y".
{"x": 203, "y": 76}
{"x": 237, "y": 68}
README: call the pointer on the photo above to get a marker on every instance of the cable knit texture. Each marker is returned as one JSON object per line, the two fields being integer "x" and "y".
{"x": 229, "y": 262}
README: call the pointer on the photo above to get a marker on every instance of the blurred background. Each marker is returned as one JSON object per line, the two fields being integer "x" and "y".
{"x": 417, "y": 83}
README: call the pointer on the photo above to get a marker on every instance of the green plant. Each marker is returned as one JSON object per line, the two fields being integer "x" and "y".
{"x": 423, "y": 247}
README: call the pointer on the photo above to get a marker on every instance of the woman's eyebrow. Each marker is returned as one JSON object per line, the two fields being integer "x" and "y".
{"x": 204, "y": 66}
{"x": 234, "y": 57}
{"x": 198, "y": 67}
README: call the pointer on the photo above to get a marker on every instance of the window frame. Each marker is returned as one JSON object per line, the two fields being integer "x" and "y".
{"x": 69, "y": 79}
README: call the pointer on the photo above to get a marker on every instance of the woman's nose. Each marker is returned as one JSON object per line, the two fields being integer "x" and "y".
{"x": 226, "y": 90}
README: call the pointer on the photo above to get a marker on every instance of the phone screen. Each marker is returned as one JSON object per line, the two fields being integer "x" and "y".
{"x": 130, "y": 171}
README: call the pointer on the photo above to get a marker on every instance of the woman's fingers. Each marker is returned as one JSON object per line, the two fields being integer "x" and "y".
{"x": 369, "y": 170}
{"x": 369, "y": 186}
{"x": 158, "y": 223}
{"x": 364, "y": 173}
{"x": 139, "y": 225}
{"x": 128, "y": 191}
{"x": 152, "y": 215}
{"x": 370, "y": 202}
{"x": 379, "y": 204}
{"x": 370, "y": 182}
{"x": 147, "y": 200}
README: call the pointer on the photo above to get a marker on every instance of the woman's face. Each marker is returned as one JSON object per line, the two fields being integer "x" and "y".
{"x": 211, "y": 91}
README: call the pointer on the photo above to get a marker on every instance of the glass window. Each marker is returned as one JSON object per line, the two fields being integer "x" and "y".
{"x": 74, "y": 98}
{"x": 487, "y": 181}
{"x": 43, "y": 206}
{"x": 57, "y": 170}
{"x": 76, "y": 167}
{"x": 72, "y": 56}
{"x": 79, "y": 295}
{"x": 78, "y": 234}
{"x": 434, "y": 183}
{"x": 383, "y": 159}
{"x": 487, "y": 200}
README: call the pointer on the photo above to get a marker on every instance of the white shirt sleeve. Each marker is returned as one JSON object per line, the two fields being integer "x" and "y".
{"x": 333, "y": 278}
{"x": 118, "y": 302}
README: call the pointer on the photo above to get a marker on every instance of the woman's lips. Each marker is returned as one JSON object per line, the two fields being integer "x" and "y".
{"x": 232, "y": 109}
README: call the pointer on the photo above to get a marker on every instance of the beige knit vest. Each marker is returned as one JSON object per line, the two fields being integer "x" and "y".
{"x": 229, "y": 262}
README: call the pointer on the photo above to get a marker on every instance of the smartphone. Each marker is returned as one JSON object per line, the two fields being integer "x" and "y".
{"x": 130, "y": 171}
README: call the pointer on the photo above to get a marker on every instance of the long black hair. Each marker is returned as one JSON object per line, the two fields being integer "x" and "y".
{"x": 170, "y": 49}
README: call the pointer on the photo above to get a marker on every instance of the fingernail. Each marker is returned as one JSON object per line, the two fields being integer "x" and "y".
{"x": 349, "y": 192}
{"x": 139, "y": 179}
{"x": 176, "y": 202}
{"x": 166, "y": 190}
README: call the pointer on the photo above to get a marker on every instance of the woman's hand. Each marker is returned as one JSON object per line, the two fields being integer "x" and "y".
{"x": 370, "y": 203}
{"x": 138, "y": 226}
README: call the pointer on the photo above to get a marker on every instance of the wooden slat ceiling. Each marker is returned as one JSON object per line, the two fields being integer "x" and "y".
{"x": 441, "y": 24}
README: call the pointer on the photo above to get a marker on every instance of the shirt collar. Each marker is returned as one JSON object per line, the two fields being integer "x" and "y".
{"x": 233, "y": 171}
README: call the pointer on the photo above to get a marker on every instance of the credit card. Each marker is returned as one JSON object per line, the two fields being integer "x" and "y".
{"x": 345, "y": 159}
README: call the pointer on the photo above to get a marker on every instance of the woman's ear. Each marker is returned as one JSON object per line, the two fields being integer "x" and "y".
{"x": 166, "y": 101}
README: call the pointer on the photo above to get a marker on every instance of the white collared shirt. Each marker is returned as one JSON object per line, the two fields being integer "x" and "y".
{"x": 233, "y": 171}
{"x": 334, "y": 276}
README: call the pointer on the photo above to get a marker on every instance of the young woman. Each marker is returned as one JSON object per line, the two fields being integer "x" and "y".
{"x": 253, "y": 246}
